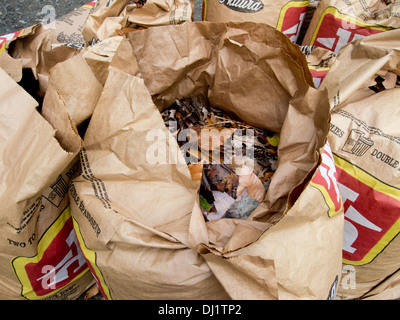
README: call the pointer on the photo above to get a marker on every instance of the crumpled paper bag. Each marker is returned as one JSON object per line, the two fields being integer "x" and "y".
{"x": 40, "y": 256}
{"x": 364, "y": 136}
{"x": 139, "y": 222}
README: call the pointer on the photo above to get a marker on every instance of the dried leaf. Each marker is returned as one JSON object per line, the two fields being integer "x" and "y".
{"x": 247, "y": 179}
{"x": 222, "y": 203}
{"x": 267, "y": 176}
{"x": 218, "y": 134}
{"x": 93, "y": 290}
{"x": 195, "y": 154}
{"x": 196, "y": 170}
{"x": 274, "y": 140}
{"x": 223, "y": 178}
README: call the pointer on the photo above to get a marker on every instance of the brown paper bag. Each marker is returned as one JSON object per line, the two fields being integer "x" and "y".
{"x": 40, "y": 256}
{"x": 139, "y": 222}
{"x": 286, "y": 16}
{"x": 34, "y": 51}
{"x": 100, "y": 55}
{"x": 109, "y": 18}
{"x": 337, "y": 22}
{"x": 13, "y": 67}
{"x": 79, "y": 95}
{"x": 364, "y": 136}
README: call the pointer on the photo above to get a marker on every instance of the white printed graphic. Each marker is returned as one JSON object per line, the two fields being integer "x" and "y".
{"x": 328, "y": 172}
{"x": 55, "y": 275}
{"x": 350, "y": 231}
{"x": 343, "y": 36}
{"x": 293, "y": 32}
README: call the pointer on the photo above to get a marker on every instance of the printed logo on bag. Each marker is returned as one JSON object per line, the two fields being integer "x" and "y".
{"x": 291, "y": 19}
{"x": 57, "y": 191}
{"x": 325, "y": 180}
{"x": 371, "y": 207}
{"x": 245, "y": 6}
{"x": 59, "y": 261}
{"x": 357, "y": 143}
{"x": 335, "y": 29}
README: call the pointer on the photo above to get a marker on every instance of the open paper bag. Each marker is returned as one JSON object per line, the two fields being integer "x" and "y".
{"x": 139, "y": 222}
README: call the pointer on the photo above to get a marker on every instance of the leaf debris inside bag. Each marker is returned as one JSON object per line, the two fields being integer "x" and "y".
{"x": 233, "y": 160}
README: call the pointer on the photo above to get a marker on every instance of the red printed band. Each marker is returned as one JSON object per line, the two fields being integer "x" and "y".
{"x": 335, "y": 29}
{"x": 59, "y": 261}
{"x": 325, "y": 180}
{"x": 291, "y": 18}
{"x": 372, "y": 213}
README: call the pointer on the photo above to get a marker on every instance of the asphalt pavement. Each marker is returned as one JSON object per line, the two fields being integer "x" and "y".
{"x": 18, "y": 14}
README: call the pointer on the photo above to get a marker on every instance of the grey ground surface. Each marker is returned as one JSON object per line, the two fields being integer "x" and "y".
{"x": 18, "y": 14}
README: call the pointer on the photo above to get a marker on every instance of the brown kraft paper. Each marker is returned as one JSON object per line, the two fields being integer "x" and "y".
{"x": 40, "y": 256}
{"x": 364, "y": 136}
{"x": 139, "y": 222}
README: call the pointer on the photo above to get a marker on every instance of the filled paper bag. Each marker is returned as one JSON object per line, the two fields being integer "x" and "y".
{"x": 40, "y": 255}
{"x": 337, "y": 22}
{"x": 136, "y": 207}
{"x": 13, "y": 67}
{"x": 365, "y": 139}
